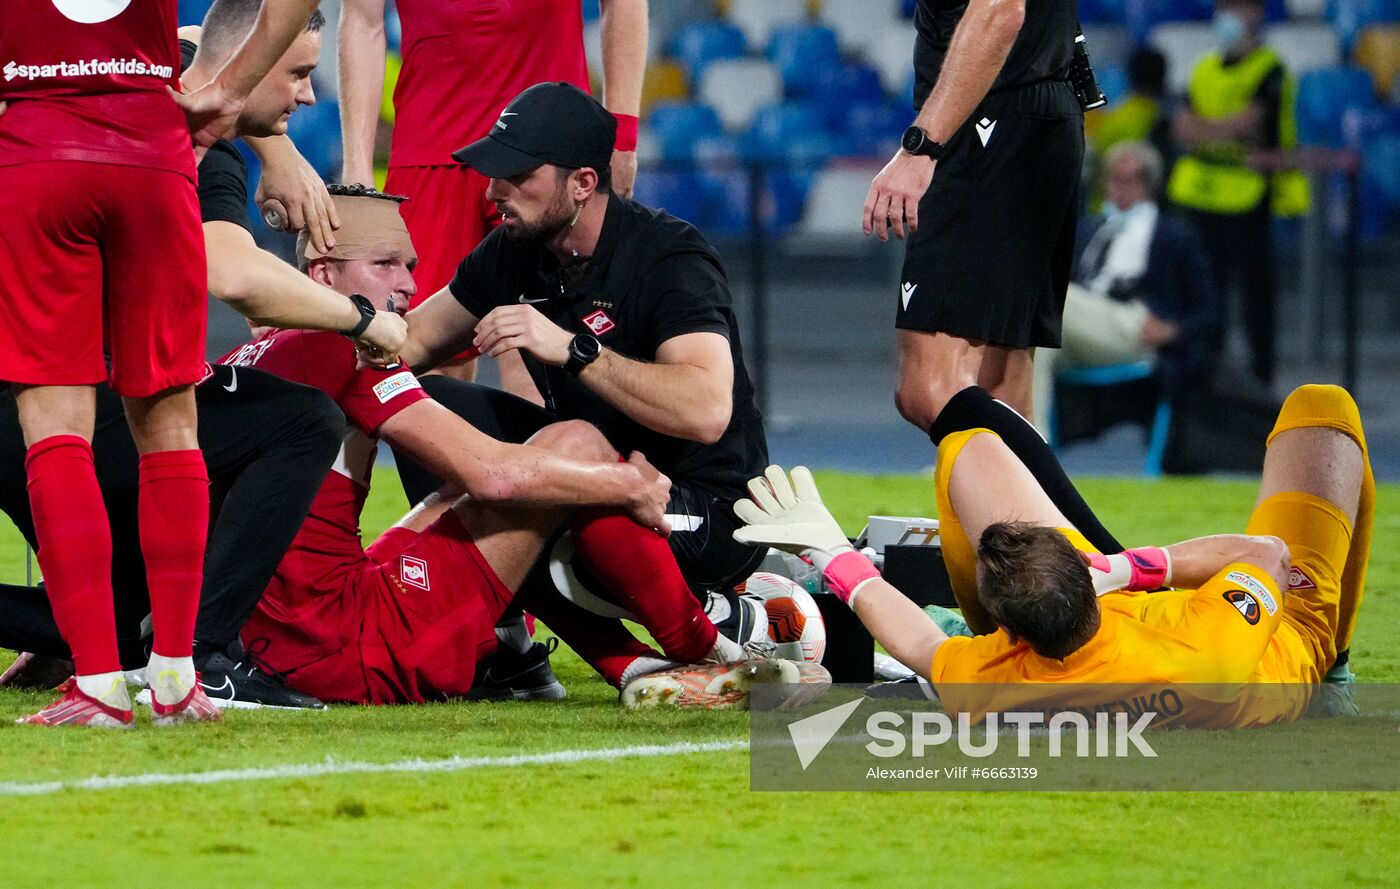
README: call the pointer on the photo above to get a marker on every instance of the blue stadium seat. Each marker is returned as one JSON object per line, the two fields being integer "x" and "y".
{"x": 791, "y": 131}
{"x": 678, "y": 127}
{"x": 1349, "y": 17}
{"x": 1110, "y": 375}
{"x": 801, "y": 53}
{"x": 1093, "y": 12}
{"x": 1381, "y": 166}
{"x": 1113, "y": 82}
{"x": 1362, "y": 126}
{"x": 682, "y": 194}
{"x": 842, "y": 85}
{"x": 1141, "y": 16}
{"x": 316, "y": 134}
{"x": 1324, "y": 98}
{"x": 875, "y": 127}
{"x": 727, "y": 210}
{"x": 192, "y": 12}
{"x": 699, "y": 43}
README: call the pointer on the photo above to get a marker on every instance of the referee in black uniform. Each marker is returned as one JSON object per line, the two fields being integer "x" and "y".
{"x": 624, "y": 319}
{"x": 984, "y": 191}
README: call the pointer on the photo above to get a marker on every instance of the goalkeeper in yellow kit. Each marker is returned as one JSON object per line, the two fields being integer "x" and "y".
{"x": 1266, "y": 610}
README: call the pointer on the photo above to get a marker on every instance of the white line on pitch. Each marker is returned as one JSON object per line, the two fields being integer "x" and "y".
{"x": 331, "y": 767}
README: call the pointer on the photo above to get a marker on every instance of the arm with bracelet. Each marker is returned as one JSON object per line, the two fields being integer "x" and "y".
{"x": 1186, "y": 565}
{"x": 790, "y": 515}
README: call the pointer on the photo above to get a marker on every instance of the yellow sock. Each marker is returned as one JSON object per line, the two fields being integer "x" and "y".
{"x": 1332, "y": 407}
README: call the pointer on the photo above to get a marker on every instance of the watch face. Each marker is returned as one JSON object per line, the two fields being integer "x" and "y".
{"x": 913, "y": 139}
{"x": 587, "y": 347}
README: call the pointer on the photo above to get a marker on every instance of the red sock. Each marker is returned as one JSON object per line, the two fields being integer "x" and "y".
{"x": 603, "y": 642}
{"x": 636, "y": 566}
{"x": 75, "y": 549}
{"x": 173, "y": 514}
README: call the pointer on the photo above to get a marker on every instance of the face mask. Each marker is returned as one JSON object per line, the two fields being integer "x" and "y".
{"x": 1228, "y": 29}
{"x": 1114, "y": 216}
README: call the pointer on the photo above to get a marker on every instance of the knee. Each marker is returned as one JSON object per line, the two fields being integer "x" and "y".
{"x": 920, "y": 401}
{"x": 1325, "y": 406}
{"x": 577, "y": 438}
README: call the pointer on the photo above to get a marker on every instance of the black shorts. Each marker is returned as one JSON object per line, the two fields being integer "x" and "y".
{"x": 991, "y": 258}
{"x": 703, "y": 520}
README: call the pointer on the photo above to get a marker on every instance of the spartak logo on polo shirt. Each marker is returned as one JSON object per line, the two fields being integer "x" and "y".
{"x": 599, "y": 322}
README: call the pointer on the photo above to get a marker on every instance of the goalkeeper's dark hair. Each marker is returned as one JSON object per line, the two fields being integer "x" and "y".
{"x": 1035, "y": 585}
{"x": 356, "y": 190}
{"x": 229, "y": 22}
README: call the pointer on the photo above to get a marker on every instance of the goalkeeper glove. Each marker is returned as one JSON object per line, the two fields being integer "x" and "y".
{"x": 790, "y": 515}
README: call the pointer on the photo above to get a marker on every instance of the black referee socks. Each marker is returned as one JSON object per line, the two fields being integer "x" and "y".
{"x": 975, "y": 408}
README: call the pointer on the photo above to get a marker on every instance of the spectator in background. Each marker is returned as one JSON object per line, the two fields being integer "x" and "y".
{"x": 462, "y": 62}
{"x": 1240, "y": 102}
{"x": 1142, "y": 287}
{"x": 1142, "y": 115}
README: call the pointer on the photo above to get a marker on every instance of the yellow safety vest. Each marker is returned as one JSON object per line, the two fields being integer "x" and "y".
{"x": 1214, "y": 177}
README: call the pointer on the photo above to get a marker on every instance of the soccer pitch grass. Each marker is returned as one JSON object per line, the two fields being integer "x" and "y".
{"x": 665, "y": 821}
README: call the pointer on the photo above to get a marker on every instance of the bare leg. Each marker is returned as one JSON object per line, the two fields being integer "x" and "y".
{"x": 46, "y": 411}
{"x": 166, "y": 421}
{"x": 1314, "y": 460}
{"x": 70, "y": 524}
{"x": 1009, "y": 375}
{"x": 1317, "y": 452}
{"x": 988, "y": 484}
{"x": 173, "y": 527}
{"x": 933, "y": 367}
{"x": 980, "y": 481}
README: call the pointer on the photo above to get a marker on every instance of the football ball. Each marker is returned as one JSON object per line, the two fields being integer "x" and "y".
{"x": 794, "y": 621}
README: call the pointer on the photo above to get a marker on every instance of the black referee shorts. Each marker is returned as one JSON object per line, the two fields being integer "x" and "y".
{"x": 992, "y": 255}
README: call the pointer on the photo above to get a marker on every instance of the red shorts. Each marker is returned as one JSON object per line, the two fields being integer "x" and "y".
{"x": 427, "y": 608}
{"x": 447, "y": 215}
{"x": 98, "y": 255}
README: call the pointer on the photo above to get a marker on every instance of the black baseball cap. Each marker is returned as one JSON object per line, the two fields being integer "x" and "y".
{"x": 549, "y": 123}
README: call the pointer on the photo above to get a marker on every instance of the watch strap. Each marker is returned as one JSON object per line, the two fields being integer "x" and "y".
{"x": 367, "y": 313}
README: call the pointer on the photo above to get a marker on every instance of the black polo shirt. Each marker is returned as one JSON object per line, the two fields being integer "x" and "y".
{"x": 223, "y": 174}
{"x": 652, "y": 277}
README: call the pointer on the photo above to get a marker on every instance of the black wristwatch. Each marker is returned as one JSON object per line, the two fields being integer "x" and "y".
{"x": 367, "y": 314}
{"x": 916, "y": 141}
{"x": 584, "y": 349}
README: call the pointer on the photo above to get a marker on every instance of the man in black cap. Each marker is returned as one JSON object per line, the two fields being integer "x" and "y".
{"x": 623, "y": 317}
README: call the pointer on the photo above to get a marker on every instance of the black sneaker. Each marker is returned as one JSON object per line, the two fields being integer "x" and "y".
{"x": 911, "y": 688}
{"x": 512, "y": 675}
{"x": 237, "y": 679}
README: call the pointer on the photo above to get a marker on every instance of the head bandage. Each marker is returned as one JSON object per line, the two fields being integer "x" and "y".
{"x": 370, "y": 228}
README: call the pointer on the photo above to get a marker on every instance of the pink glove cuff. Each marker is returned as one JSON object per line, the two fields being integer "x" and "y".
{"x": 848, "y": 571}
{"x": 1151, "y": 567}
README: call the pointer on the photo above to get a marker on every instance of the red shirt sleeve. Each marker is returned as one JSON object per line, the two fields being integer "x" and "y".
{"x": 368, "y": 396}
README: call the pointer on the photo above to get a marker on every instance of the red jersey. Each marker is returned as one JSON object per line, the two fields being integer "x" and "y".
{"x": 85, "y": 80}
{"x": 465, "y": 60}
{"x": 328, "y": 544}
